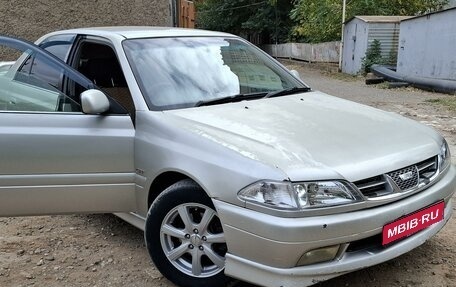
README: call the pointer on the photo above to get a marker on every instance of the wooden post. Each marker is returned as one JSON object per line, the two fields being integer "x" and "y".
{"x": 186, "y": 14}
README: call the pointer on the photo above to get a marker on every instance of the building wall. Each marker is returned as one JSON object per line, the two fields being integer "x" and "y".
{"x": 30, "y": 19}
{"x": 427, "y": 46}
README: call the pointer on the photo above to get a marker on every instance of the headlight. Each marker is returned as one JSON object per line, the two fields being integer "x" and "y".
{"x": 325, "y": 193}
{"x": 299, "y": 196}
{"x": 274, "y": 194}
{"x": 444, "y": 156}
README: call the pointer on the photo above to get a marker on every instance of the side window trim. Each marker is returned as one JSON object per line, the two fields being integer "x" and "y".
{"x": 60, "y": 40}
{"x": 47, "y": 44}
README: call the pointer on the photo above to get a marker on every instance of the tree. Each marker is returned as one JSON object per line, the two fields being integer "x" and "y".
{"x": 316, "y": 20}
{"x": 269, "y": 18}
{"x": 320, "y": 20}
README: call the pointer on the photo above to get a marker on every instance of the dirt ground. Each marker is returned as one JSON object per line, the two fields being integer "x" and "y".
{"x": 102, "y": 250}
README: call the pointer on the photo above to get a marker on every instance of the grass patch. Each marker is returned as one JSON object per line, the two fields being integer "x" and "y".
{"x": 382, "y": 86}
{"x": 450, "y": 103}
{"x": 341, "y": 76}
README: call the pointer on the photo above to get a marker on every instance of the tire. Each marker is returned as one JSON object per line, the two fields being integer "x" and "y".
{"x": 185, "y": 238}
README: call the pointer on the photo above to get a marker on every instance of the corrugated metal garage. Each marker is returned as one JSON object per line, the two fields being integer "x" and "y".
{"x": 427, "y": 46}
{"x": 361, "y": 31}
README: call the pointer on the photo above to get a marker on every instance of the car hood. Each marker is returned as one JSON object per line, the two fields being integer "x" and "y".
{"x": 313, "y": 135}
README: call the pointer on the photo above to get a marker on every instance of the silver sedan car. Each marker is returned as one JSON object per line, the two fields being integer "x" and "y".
{"x": 229, "y": 162}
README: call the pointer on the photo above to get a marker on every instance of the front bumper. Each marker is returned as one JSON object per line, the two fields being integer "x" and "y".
{"x": 264, "y": 249}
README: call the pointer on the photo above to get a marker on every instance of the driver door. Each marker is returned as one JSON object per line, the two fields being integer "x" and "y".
{"x": 54, "y": 158}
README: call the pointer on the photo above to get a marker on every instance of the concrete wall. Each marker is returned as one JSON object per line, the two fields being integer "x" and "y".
{"x": 323, "y": 52}
{"x": 31, "y": 19}
{"x": 427, "y": 46}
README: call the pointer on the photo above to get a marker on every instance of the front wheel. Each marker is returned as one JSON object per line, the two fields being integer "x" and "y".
{"x": 184, "y": 237}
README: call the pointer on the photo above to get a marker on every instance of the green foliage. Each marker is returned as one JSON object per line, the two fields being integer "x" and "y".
{"x": 298, "y": 20}
{"x": 449, "y": 102}
{"x": 316, "y": 20}
{"x": 269, "y": 19}
{"x": 320, "y": 20}
{"x": 373, "y": 56}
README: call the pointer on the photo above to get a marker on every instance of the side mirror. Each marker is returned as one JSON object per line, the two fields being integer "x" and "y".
{"x": 94, "y": 102}
{"x": 295, "y": 73}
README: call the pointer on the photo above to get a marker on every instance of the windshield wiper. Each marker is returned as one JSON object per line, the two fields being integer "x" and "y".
{"x": 242, "y": 97}
{"x": 230, "y": 99}
{"x": 289, "y": 91}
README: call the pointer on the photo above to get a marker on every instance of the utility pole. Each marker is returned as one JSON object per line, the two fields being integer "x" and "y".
{"x": 276, "y": 29}
{"x": 344, "y": 4}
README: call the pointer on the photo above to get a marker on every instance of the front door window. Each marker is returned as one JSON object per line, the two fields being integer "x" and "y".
{"x": 36, "y": 82}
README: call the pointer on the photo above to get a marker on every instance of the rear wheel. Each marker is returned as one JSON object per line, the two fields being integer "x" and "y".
{"x": 184, "y": 237}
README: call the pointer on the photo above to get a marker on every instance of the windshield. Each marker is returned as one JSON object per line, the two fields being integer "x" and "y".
{"x": 182, "y": 72}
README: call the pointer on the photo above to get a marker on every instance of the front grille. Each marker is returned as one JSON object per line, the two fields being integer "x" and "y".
{"x": 401, "y": 180}
{"x": 428, "y": 168}
{"x": 373, "y": 187}
{"x": 405, "y": 183}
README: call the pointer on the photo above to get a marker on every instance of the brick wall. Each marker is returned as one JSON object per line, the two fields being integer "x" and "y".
{"x": 30, "y": 19}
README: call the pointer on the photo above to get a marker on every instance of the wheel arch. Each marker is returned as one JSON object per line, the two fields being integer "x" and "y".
{"x": 165, "y": 180}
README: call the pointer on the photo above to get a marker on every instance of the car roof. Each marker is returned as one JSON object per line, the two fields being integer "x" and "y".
{"x": 134, "y": 32}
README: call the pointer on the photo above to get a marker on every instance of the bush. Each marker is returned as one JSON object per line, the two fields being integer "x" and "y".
{"x": 373, "y": 56}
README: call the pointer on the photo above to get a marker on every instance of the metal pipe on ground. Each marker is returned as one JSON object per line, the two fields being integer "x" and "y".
{"x": 437, "y": 85}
